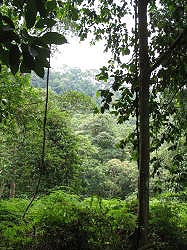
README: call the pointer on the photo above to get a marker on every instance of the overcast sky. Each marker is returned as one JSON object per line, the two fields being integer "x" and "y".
{"x": 80, "y": 54}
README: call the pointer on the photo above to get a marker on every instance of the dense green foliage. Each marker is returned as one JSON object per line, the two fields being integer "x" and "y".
{"x": 70, "y": 79}
{"x": 82, "y": 155}
{"x": 27, "y": 35}
{"x": 79, "y": 144}
{"x": 64, "y": 221}
{"x": 85, "y": 162}
{"x": 167, "y": 52}
{"x": 21, "y": 139}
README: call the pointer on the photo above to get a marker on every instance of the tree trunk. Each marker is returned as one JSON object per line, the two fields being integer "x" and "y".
{"x": 144, "y": 154}
{"x": 12, "y": 189}
{"x": 2, "y": 185}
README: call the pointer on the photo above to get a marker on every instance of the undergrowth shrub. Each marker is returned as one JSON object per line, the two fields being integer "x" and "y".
{"x": 74, "y": 224}
{"x": 64, "y": 221}
{"x": 168, "y": 220}
{"x": 12, "y": 228}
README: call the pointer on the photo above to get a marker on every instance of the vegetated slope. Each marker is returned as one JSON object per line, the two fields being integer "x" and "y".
{"x": 81, "y": 150}
{"x": 70, "y": 79}
{"x": 81, "y": 155}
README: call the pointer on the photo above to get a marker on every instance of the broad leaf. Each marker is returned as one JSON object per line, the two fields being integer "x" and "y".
{"x": 41, "y": 62}
{"x": 28, "y": 59}
{"x": 8, "y": 36}
{"x": 14, "y": 58}
{"x": 45, "y": 23}
{"x": 24, "y": 68}
{"x": 53, "y": 38}
{"x": 30, "y": 13}
{"x": 33, "y": 51}
{"x": 41, "y": 7}
{"x": 39, "y": 70}
{"x": 7, "y": 20}
{"x": 42, "y": 52}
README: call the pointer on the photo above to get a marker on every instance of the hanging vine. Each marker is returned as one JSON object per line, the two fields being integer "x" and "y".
{"x": 42, "y": 161}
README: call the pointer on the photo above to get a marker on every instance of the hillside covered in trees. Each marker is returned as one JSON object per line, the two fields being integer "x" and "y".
{"x": 93, "y": 159}
{"x": 88, "y": 174}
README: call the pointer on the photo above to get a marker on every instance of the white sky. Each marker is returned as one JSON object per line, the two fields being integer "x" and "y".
{"x": 80, "y": 54}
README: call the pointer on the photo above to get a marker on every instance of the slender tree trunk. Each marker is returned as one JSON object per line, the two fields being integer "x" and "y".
{"x": 144, "y": 79}
{"x": 12, "y": 191}
{"x": 2, "y": 189}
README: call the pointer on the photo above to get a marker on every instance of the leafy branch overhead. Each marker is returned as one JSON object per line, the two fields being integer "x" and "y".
{"x": 26, "y": 36}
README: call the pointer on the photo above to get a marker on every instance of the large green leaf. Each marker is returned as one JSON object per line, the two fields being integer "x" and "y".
{"x": 18, "y": 3}
{"x": 24, "y": 68}
{"x": 8, "y": 36}
{"x": 39, "y": 70}
{"x": 53, "y": 38}
{"x": 14, "y": 58}
{"x": 33, "y": 51}
{"x": 42, "y": 52}
{"x": 28, "y": 59}
{"x": 45, "y": 23}
{"x": 4, "y": 56}
{"x": 7, "y": 20}
{"x": 41, "y": 62}
{"x": 30, "y": 13}
{"x": 41, "y": 7}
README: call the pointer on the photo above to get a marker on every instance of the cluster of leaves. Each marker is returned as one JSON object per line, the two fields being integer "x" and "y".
{"x": 168, "y": 220}
{"x": 103, "y": 20}
{"x": 26, "y": 32}
{"x": 64, "y": 221}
